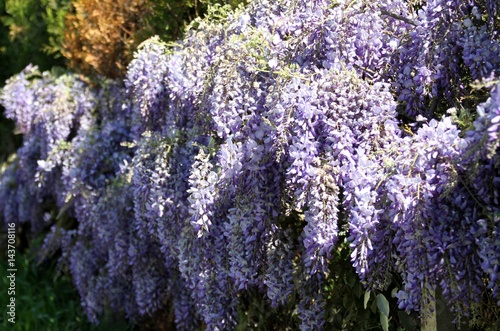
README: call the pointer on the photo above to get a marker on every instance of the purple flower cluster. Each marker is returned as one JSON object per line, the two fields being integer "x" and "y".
{"x": 483, "y": 164}
{"x": 226, "y": 164}
{"x": 450, "y": 43}
{"x": 48, "y": 110}
{"x": 148, "y": 92}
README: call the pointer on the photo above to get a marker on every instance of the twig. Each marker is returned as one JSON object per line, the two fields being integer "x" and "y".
{"x": 398, "y": 17}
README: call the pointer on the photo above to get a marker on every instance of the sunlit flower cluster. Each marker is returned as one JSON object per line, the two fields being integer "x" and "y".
{"x": 233, "y": 162}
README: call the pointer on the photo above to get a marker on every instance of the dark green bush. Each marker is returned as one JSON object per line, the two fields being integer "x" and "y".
{"x": 45, "y": 301}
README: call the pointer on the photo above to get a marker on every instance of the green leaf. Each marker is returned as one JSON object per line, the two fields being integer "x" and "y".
{"x": 367, "y": 297}
{"x": 350, "y": 280}
{"x": 384, "y": 322}
{"x": 394, "y": 291}
{"x": 383, "y": 304}
{"x": 358, "y": 290}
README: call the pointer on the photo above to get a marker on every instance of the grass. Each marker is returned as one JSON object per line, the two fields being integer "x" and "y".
{"x": 44, "y": 302}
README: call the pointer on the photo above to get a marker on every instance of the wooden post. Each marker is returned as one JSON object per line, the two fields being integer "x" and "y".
{"x": 428, "y": 312}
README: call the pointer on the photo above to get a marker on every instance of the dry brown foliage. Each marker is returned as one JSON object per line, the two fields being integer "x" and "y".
{"x": 101, "y": 35}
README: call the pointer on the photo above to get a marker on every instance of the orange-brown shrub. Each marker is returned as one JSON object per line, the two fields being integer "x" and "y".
{"x": 100, "y": 35}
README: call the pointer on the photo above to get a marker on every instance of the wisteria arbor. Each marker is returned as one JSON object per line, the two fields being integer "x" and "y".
{"x": 243, "y": 159}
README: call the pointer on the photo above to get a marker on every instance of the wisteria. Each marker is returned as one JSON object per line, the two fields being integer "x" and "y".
{"x": 450, "y": 44}
{"x": 48, "y": 109}
{"x": 234, "y": 161}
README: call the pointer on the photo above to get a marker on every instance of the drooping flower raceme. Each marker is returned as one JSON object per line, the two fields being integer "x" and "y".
{"x": 230, "y": 165}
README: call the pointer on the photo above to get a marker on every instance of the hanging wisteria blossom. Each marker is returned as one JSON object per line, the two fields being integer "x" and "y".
{"x": 235, "y": 163}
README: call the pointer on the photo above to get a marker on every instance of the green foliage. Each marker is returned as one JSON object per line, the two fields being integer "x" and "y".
{"x": 348, "y": 305}
{"x": 486, "y": 314}
{"x": 45, "y": 302}
{"x": 10, "y": 142}
{"x": 33, "y": 31}
{"x": 256, "y": 314}
{"x": 169, "y": 18}
{"x": 54, "y": 17}
{"x": 346, "y": 299}
{"x": 383, "y": 307}
{"x": 30, "y": 32}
